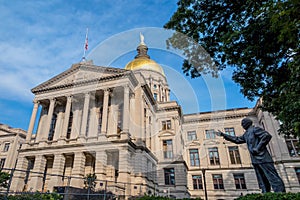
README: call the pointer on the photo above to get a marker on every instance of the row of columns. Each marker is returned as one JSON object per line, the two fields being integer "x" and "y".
{"x": 84, "y": 120}
{"x": 163, "y": 92}
{"x": 36, "y": 179}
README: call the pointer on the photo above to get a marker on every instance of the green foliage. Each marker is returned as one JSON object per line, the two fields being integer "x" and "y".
{"x": 260, "y": 39}
{"x": 33, "y": 196}
{"x": 90, "y": 181}
{"x": 158, "y": 198}
{"x": 271, "y": 196}
{"x": 4, "y": 177}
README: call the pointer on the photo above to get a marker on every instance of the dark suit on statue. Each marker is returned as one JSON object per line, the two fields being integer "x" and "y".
{"x": 257, "y": 140}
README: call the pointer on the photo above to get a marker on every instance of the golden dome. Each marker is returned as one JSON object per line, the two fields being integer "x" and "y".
{"x": 144, "y": 63}
{"x": 142, "y": 59}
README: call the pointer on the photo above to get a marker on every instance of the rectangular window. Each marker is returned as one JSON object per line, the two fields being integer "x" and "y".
{"x": 197, "y": 182}
{"x": 6, "y": 147}
{"x": 155, "y": 96}
{"x": 293, "y": 146}
{"x": 168, "y": 149}
{"x": 298, "y": 174}
{"x": 218, "y": 181}
{"x": 191, "y": 135}
{"x": 100, "y": 119}
{"x": 169, "y": 176}
{"x": 229, "y": 131}
{"x": 239, "y": 181}
{"x": 234, "y": 155}
{"x": 166, "y": 125}
{"x": 214, "y": 156}
{"x": 194, "y": 157}
{"x": 29, "y": 168}
{"x": 2, "y": 162}
{"x": 210, "y": 134}
{"x": 52, "y": 127}
{"x": 70, "y": 123}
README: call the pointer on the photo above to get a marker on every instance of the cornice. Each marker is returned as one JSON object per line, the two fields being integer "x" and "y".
{"x": 148, "y": 92}
{"x": 75, "y": 68}
{"x": 12, "y": 131}
{"x": 88, "y": 82}
{"x": 200, "y": 118}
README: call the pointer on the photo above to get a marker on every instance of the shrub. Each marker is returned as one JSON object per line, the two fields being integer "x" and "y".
{"x": 33, "y": 196}
{"x": 271, "y": 196}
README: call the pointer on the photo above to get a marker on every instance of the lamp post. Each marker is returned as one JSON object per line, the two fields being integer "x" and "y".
{"x": 204, "y": 180}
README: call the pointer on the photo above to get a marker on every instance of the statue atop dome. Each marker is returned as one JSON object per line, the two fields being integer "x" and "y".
{"x": 142, "y": 59}
{"x": 142, "y": 38}
{"x": 142, "y": 49}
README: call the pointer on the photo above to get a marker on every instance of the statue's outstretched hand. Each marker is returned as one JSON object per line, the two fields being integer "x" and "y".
{"x": 220, "y": 133}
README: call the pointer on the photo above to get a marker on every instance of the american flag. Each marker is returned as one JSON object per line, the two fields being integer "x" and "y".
{"x": 86, "y": 45}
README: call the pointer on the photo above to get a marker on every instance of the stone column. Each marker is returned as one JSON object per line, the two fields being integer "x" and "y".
{"x": 42, "y": 123}
{"x": 32, "y": 121}
{"x": 49, "y": 118}
{"x": 100, "y": 165}
{"x": 167, "y": 95}
{"x": 124, "y": 173}
{"x": 93, "y": 122}
{"x": 59, "y": 124}
{"x": 67, "y": 117}
{"x": 78, "y": 170}
{"x": 132, "y": 118}
{"x": 76, "y": 122}
{"x": 17, "y": 183}
{"x": 36, "y": 180}
{"x": 147, "y": 129}
{"x": 85, "y": 114}
{"x": 57, "y": 171}
{"x": 105, "y": 112}
{"x": 126, "y": 115}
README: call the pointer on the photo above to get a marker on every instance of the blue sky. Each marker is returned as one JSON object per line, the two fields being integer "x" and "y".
{"x": 40, "y": 39}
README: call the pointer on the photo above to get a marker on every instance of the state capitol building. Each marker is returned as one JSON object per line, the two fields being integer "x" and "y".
{"x": 120, "y": 124}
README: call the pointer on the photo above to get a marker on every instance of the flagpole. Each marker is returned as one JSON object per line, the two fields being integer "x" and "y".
{"x": 85, "y": 47}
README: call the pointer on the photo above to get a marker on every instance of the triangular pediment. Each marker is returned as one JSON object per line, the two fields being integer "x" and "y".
{"x": 78, "y": 73}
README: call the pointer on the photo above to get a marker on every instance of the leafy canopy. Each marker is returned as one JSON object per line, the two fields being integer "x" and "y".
{"x": 4, "y": 178}
{"x": 260, "y": 39}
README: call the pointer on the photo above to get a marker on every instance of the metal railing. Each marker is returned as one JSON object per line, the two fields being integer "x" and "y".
{"x": 95, "y": 189}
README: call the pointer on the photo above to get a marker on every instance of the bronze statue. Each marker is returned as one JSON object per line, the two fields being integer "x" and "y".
{"x": 257, "y": 140}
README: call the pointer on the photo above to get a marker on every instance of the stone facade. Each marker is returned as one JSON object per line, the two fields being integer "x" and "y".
{"x": 121, "y": 125}
{"x": 11, "y": 140}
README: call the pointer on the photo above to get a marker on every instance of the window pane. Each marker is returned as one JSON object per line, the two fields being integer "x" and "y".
{"x": 298, "y": 174}
{"x": 240, "y": 182}
{"x": 194, "y": 157}
{"x": 192, "y": 135}
{"x": 197, "y": 182}
{"x": 214, "y": 156}
{"x": 234, "y": 155}
{"x": 169, "y": 176}
{"x": 210, "y": 134}
{"x": 218, "y": 181}
{"x": 168, "y": 149}
{"x": 229, "y": 131}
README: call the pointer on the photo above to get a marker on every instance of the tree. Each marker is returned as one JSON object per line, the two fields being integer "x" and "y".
{"x": 90, "y": 181}
{"x": 4, "y": 177}
{"x": 260, "y": 39}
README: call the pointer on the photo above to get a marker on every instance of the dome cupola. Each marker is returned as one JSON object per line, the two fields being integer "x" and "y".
{"x": 142, "y": 59}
